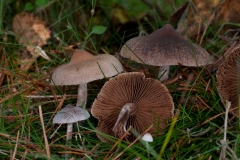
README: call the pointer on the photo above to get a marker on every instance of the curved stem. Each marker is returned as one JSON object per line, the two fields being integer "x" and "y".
{"x": 120, "y": 126}
{"x": 82, "y": 95}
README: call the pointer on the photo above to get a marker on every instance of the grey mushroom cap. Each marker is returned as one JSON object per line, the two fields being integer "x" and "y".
{"x": 71, "y": 114}
{"x": 84, "y": 67}
{"x": 165, "y": 47}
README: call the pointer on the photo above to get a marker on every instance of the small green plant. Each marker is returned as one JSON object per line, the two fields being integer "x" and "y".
{"x": 38, "y": 3}
{"x": 95, "y": 30}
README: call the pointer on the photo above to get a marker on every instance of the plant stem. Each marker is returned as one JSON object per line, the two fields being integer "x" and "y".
{"x": 147, "y": 149}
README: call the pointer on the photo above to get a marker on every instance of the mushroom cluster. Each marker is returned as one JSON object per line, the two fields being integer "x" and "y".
{"x": 165, "y": 47}
{"x": 130, "y": 99}
{"x": 82, "y": 68}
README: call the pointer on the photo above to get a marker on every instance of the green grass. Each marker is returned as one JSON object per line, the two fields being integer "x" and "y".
{"x": 70, "y": 23}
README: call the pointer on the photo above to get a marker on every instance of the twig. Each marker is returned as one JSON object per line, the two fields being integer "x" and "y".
{"x": 173, "y": 80}
{"x": 203, "y": 102}
{"x": 91, "y": 152}
{"x": 12, "y": 95}
{"x": 15, "y": 148}
{"x": 229, "y": 51}
{"x": 24, "y": 155}
{"x": 119, "y": 140}
{"x": 44, "y": 132}
{"x": 133, "y": 142}
{"x": 49, "y": 96}
{"x": 210, "y": 119}
{"x": 57, "y": 108}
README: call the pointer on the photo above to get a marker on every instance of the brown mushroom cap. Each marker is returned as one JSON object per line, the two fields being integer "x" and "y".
{"x": 228, "y": 79}
{"x": 165, "y": 47}
{"x": 152, "y": 99}
{"x": 30, "y": 29}
{"x": 84, "y": 67}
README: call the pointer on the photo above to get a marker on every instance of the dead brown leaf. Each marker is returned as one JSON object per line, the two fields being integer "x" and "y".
{"x": 193, "y": 20}
{"x": 30, "y": 29}
{"x": 228, "y": 11}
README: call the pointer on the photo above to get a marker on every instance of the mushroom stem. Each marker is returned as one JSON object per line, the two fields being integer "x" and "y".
{"x": 69, "y": 136}
{"x": 69, "y": 131}
{"x": 82, "y": 95}
{"x": 163, "y": 73}
{"x": 120, "y": 126}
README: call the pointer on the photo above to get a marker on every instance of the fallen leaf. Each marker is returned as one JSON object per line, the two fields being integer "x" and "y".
{"x": 195, "y": 17}
{"x": 30, "y": 29}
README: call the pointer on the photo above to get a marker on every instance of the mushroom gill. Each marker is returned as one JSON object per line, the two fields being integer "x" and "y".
{"x": 228, "y": 78}
{"x": 130, "y": 99}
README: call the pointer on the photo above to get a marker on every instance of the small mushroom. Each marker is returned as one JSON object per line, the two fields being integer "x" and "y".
{"x": 147, "y": 137}
{"x": 228, "y": 79}
{"x": 69, "y": 115}
{"x": 83, "y": 68}
{"x": 130, "y": 99}
{"x": 165, "y": 47}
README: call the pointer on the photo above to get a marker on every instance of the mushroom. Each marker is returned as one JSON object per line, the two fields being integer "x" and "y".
{"x": 147, "y": 137}
{"x": 130, "y": 99}
{"x": 83, "y": 68}
{"x": 69, "y": 115}
{"x": 228, "y": 79}
{"x": 165, "y": 47}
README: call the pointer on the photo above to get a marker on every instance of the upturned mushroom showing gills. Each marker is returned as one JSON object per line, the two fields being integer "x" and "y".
{"x": 165, "y": 47}
{"x": 130, "y": 99}
{"x": 83, "y": 68}
{"x": 228, "y": 79}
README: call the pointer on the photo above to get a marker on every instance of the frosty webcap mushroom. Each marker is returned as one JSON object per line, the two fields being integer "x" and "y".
{"x": 165, "y": 47}
{"x": 83, "y": 68}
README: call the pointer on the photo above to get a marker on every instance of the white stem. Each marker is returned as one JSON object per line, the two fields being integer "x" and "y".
{"x": 82, "y": 95}
{"x": 163, "y": 73}
{"x": 69, "y": 136}
{"x": 120, "y": 126}
{"x": 69, "y": 131}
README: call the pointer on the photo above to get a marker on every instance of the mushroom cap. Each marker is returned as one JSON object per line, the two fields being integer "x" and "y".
{"x": 228, "y": 78}
{"x": 84, "y": 67}
{"x": 165, "y": 47}
{"x": 147, "y": 137}
{"x": 71, "y": 114}
{"x": 152, "y": 99}
{"x": 30, "y": 29}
